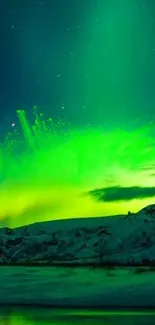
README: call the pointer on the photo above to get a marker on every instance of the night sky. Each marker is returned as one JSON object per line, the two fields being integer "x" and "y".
{"x": 94, "y": 58}
{"x": 91, "y": 63}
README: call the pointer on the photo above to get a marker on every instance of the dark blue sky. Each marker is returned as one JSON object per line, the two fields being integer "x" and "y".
{"x": 42, "y": 60}
{"x": 29, "y": 31}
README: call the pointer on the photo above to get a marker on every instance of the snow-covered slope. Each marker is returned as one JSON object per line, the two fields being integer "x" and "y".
{"x": 116, "y": 240}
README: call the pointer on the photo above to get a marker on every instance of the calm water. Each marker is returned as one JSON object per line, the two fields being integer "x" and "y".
{"x": 29, "y": 316}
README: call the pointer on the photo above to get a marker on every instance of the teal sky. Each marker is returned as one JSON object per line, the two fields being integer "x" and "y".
{"x": 92, "y": 62}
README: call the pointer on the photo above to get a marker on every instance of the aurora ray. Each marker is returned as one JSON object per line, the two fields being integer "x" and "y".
{"x": 48, "y": 169}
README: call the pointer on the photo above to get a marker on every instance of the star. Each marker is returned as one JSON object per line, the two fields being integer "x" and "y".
{"x": 40, "y": 2}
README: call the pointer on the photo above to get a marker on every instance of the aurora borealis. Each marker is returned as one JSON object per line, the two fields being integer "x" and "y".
{"x": 89, "y": 149}
{"x": 49, "y": 170}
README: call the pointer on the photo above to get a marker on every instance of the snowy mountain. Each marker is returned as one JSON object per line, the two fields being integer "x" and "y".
{"x": 122, "y": 240}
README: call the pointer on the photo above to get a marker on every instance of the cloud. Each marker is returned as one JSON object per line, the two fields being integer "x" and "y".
{"x": 118, "y": 193}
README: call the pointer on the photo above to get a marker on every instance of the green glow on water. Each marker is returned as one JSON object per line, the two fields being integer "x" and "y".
{"x": 99, "y": 313}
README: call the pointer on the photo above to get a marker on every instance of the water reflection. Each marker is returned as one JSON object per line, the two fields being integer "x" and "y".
{"x": 39, "y": 316}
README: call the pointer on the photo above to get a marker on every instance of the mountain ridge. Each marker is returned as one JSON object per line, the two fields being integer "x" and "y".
{"x": 114, "y": 240}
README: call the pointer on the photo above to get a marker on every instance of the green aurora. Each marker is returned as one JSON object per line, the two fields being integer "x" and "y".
{"x": 48, "y": 170}
{"x": 92, "y": 64}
